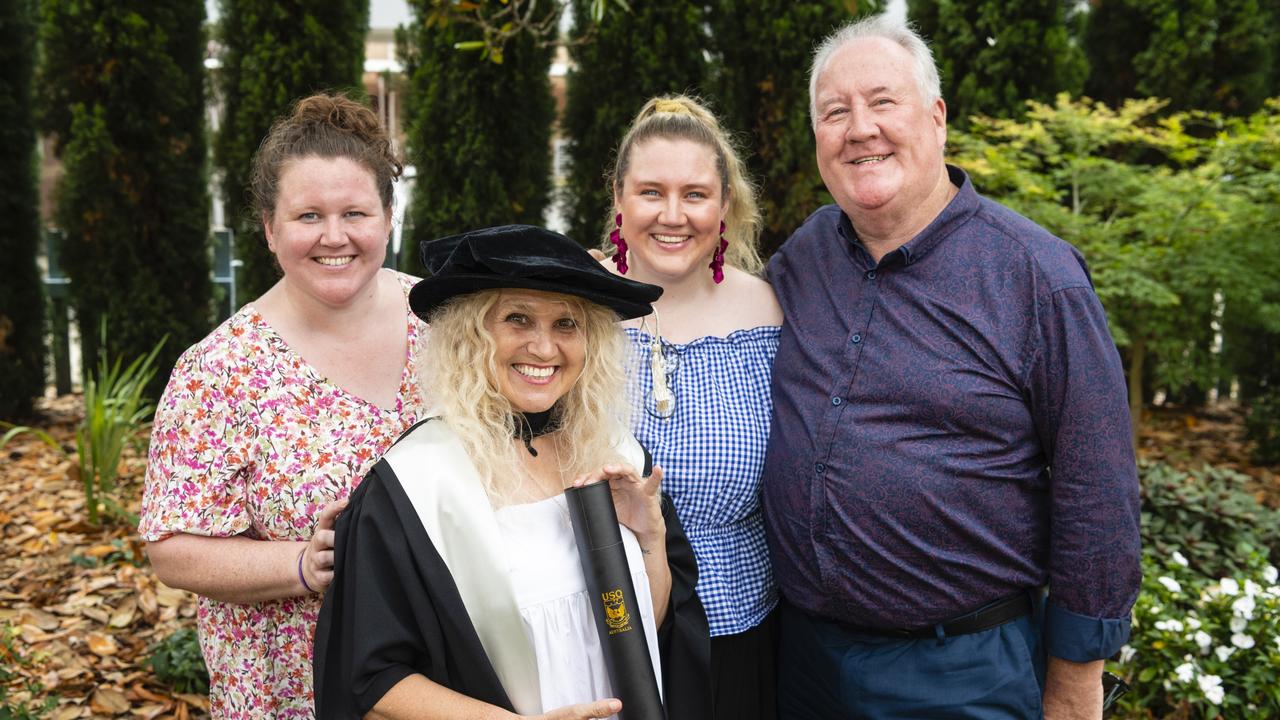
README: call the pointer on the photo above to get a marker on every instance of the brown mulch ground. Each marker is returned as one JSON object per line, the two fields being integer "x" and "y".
{"x": 85, "y": 608}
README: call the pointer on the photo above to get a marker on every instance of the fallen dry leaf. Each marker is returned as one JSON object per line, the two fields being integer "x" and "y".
{"x": 102, "y": 644}
{"x": 109, "y": 701}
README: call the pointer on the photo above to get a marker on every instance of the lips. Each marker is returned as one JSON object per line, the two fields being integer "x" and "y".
{"x": 669, "y": 239}
{"x": 535, "y": 373}
{"x": 870, "y": 159}
{"x": 335, "y": 261}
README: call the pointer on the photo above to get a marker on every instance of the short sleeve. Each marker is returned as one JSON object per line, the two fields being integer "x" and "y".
{"x": 196, "y": 466}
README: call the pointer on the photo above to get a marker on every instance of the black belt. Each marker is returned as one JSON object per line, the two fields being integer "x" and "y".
{"x": 993, "y": 615}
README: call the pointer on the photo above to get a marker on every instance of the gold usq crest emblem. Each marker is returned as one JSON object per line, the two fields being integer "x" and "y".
{"x": 615, "y": 611}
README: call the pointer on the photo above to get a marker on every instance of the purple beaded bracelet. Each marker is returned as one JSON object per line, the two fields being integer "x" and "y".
{"x": 302, "y": 577}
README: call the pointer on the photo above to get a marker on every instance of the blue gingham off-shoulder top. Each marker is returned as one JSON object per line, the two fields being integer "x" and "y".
{"x": 711, "y": 451}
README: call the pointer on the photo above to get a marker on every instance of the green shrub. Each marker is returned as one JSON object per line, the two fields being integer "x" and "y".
{"x": 1203, "y": 646}
{"x": 22, "y": 705}
{"x": 177, "y": 662}
{"x": 1204, "y": 514}
{"x": 114, "y": 409}
{"x": 1263, "y": 428}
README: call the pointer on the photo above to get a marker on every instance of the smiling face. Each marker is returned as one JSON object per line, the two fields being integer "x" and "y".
{"x": 879, "y": 144}
{"x": 329, "y": 229}
{"x": 540, "y": 347}
{"x": 672, "y": 204}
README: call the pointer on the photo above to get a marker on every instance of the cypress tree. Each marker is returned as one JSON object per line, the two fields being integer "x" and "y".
{"x": 478, "y": 131}
{"x": 1200, "y": 54}
{"x": 765, "y": 49}
{"x": 994, "y": 56}
{"x": 274, "y": 54}
{"x": 619, "y": 63}
{"x": 21, "y": 300}
{"x": 122, "y": 86}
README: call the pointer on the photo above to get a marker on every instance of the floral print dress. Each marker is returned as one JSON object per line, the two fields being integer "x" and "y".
{"x": 249, "y": 439}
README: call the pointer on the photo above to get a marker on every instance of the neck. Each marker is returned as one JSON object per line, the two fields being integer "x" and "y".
{"x": 529, "y": 426}
{"x": 350, "y": 318}
{"x": 691, "y": 291}
{"x": 886, "y": 229}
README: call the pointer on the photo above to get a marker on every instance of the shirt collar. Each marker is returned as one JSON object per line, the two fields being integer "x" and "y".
{"x": 963, "y": 205}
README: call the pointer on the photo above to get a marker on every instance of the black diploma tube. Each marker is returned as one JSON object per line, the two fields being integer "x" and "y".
{"x": 613, "y": 601}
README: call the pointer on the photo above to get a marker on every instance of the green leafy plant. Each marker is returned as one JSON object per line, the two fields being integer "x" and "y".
{"x": 12, "y": 431}
{"x": 1205, "y": 514}
{"x": 114, "y": 409}
{"x": 1204, "y": 646}
{"x": 178, "y": 663}
{"x": 23, "y": 704}
{"x": 1263, "y": 427}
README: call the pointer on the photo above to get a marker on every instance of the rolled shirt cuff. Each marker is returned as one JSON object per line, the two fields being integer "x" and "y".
{"x": 1082, "y": 638}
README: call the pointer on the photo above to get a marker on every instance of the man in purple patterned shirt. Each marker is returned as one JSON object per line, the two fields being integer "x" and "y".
{"x": 950, "y": 433}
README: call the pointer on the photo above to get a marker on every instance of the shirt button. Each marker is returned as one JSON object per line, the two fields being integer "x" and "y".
{"x": 836, "y": 401}
{"x": 855, "y": 339}
{"x": 871, "y": 274}
{"x": 821, "y": 468}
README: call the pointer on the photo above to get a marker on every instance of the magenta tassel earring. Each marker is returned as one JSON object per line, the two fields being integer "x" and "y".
{"x": 717, "y": 259}
{"x": 615, "y": 237}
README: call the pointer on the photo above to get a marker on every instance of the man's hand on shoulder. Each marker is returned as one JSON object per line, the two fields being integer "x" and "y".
{"x": 1073, "y": 691}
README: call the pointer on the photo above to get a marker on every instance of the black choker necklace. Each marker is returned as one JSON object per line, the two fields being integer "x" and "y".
{"x": 535, "y": 425}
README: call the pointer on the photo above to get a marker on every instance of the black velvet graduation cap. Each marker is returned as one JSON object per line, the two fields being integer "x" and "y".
{"x": 527, "y": 257}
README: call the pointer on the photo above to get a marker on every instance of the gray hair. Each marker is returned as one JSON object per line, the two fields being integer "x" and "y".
{"x": 881, "y": 26}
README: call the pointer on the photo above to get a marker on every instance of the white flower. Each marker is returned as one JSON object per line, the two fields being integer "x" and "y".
{"x": 1171, "y": 584}
{"x": 1270, "y": 574}
{"x": 1169, "y": 625}
{"x": 1211, "y": 686}
{"x": 1252, "y": 589}
{"x": 1204, "y": 641}
{"x": 1229, "y": 586}
{"x": 1192, "y": 622}
{"x": 1242, "y": 641}
{"x": 1127, "y": 652}
{"x": 1156, "y": 609}
{"x": 1179, "y": 558}
{"x": 1238, "y": 624}
{"x": 991, "y": 41}
{"x": 1223, "y": 652}
{"x": 1243, "y": 607}
{"x": 1186, "y": 672}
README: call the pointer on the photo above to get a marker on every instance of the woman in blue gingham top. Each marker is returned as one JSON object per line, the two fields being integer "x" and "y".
{"x": 685, "y": 218}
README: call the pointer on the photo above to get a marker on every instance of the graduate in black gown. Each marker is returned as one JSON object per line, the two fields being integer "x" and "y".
{"x": 424, "y": 616}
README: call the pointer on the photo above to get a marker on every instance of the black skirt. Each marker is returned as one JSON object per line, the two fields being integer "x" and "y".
{"x": 744, "y": 672}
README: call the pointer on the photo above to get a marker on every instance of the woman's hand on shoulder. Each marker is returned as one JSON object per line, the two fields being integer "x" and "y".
{"x": 582, "y": 711}
{"x": 316, "y": 561}
{"x": 636, "y": 498}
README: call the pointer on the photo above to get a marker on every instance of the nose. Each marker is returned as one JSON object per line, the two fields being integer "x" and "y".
{"x": 540, "y": 343}
{"x": 332, "y": 233}
{"x": 860, "y": 125}
{"x": 672, "y": 211}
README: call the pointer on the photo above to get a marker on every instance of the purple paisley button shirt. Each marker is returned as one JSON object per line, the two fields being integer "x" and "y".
{"x": 950, "y": 427}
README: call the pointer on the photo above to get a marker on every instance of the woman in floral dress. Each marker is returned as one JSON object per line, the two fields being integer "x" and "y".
{"x": 268, "y": 423}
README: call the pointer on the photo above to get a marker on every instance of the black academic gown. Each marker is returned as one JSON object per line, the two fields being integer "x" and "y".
{"x": 393, "y": 610}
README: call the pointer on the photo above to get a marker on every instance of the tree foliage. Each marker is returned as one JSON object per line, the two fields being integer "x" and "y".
{"x": 620, "y": 63}
{"x": 765, "y": 48}
{"x": 1167, "y": 212}
{"x": 274, "y": 54}
{"x": 479, "y": 133}
{"x": 121, "y": 86}
{"x": 1200, "y": 54}
{"x": 993, "y": 55}
{"x": 21, "y": 300}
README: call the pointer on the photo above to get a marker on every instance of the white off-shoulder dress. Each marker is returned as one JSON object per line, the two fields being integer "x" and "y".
{"x": 551, "y": 593}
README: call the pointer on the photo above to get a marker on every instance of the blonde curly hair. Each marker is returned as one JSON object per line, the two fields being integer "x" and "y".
{"x": 462, "y": 372}
{"x": 681, "y": 117}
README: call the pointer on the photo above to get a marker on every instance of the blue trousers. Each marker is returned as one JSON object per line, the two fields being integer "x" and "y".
{"x": 826, "y": 671}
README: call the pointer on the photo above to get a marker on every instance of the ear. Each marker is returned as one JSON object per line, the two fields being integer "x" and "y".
{"x": 724, "y": 204}
{"x": 939, "y": 116}
{"x": 266, "y": 230}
